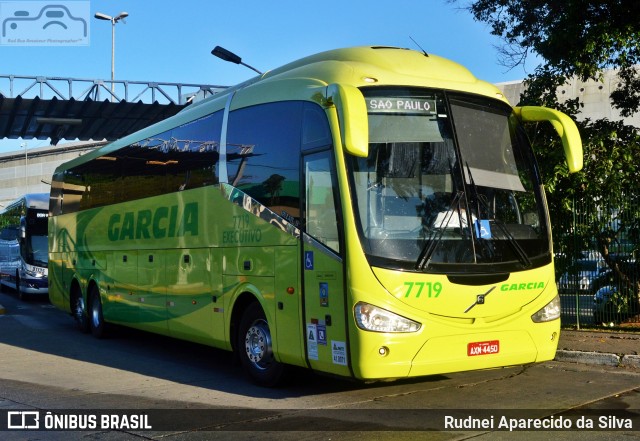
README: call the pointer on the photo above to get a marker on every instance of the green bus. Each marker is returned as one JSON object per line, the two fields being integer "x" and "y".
{"x": 369, "y": 212}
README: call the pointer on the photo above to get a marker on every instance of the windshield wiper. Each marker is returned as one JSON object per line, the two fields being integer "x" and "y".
{"x": 432, "y": 241}
{"x": 519, "y": 251}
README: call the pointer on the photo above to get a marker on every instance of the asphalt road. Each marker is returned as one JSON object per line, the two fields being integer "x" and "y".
{"x": 192, "y": 392}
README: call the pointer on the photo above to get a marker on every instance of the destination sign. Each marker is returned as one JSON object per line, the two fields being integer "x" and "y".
{"x": 406, "y": 105}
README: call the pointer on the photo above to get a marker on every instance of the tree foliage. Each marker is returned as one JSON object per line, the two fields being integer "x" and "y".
{"x": 579, "y": 39}
{"x": 576, "y": 38}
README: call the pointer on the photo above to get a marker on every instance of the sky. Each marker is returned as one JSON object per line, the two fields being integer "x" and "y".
{"x": 170, "y": 41}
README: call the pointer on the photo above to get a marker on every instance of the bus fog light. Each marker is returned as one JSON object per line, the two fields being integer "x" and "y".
{"x": 383, "y": 351}
{"x": 372, "y": 318}
{"x": 550, "y": 312}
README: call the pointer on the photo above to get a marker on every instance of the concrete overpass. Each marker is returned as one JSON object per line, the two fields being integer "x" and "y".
{"x": 81, "y": 109}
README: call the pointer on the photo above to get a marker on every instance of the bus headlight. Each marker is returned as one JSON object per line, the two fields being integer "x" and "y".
{"x": 34, "y": 274}
{"x": 550, "y": 312}
{"x": 372, "y": 318}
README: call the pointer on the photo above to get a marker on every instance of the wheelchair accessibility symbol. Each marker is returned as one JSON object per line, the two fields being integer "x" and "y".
{"x": 483, "y": 229}
{"x": 44, "y": 24}
{"x": 308, "y": 260}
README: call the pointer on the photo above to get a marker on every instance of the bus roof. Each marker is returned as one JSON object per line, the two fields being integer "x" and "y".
{"x": 38, "y": 201}
{"x": 358, "y": 66}
{"x": 379, "y": 66}
{"x": 374, "y": 66}
{"x": 386, "y": 64}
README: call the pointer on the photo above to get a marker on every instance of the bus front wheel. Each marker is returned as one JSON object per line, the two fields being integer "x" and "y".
{"x": 96, "y": 319}
{"x": 255, "y": 348}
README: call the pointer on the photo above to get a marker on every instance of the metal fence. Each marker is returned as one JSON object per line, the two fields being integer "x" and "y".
{"x": 597, "y": 274}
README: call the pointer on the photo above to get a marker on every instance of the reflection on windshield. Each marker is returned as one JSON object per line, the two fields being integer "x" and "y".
{"x": 448, "y": 180}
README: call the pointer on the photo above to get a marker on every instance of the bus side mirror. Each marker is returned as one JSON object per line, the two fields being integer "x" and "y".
{"x": 565, "y": 127}
{"x": 22, "y": 232}
{"x": 352, "y": 116}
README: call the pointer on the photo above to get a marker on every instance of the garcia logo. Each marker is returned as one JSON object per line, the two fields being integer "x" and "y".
{"x": 159, "y": 224}
{"x": 521, "y": 286}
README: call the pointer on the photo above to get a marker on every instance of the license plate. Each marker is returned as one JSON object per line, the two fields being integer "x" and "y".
{"x": 483, "y": 348}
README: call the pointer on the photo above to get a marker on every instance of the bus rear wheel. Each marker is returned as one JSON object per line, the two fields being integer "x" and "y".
{"x": 255, "y": 348}
{"x": 96, "y": 319}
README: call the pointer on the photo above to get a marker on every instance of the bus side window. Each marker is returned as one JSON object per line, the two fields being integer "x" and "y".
{"x": 315, "y": 127}
{"x": 263, "y": 155}
{"x": 182, "y": 158}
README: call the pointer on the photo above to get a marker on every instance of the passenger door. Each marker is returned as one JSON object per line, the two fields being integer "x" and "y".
{"x": 322, "y": 269}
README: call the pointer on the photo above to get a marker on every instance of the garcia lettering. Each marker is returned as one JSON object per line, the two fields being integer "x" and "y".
{"x": 521, "y": 286}
{"x": 158, "y": 224}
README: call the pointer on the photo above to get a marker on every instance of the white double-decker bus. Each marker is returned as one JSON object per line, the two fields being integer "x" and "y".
{"x": 24, "y": 254}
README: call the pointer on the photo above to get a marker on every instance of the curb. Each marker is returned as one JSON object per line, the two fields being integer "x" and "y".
{"x": 632, "y": 361}
{"x": 598, "y": 358}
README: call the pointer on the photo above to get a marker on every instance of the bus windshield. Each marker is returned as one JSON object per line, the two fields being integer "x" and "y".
{"x": 35, "y": 246}
{"x": 37, "y": 251}
{"x": 450, "y": 183}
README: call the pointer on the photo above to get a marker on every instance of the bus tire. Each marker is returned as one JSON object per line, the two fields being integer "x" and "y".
{"x": 80, "y": 315}
{"x": 255, "y": 348}
{"x": 96, "y": 319}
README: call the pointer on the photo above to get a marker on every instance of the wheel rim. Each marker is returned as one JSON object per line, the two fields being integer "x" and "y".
{"x": 257, "y": 344}
{"x": 79, "y": 309}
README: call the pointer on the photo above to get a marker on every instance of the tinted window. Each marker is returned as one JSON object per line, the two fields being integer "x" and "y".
{"x": 263, "y": 155}
{"x": 315, "y": 131}
{"x": 9, "y": 233}
{"x": 182, "y": 158}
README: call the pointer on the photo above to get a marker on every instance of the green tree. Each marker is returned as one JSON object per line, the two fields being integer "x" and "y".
{"x": 579, "y": 39}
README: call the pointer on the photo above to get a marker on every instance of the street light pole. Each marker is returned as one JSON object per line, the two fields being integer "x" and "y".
{"x": 113, "y": 20}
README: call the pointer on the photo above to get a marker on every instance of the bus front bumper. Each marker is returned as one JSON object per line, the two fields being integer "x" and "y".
{"x": 460, "y": 352}
{"x": 34, "y": 286}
